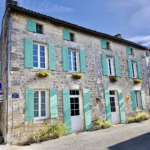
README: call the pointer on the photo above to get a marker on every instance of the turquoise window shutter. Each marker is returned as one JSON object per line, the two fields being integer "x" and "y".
{"x": 67, "y": 110}
{"x": 121, "y": 106}
{"x": 139, "y": 70}
{"x": 29, "y": 104}
{"x": 52, "y": 57}
{"x": 143, "y": 100}
{"x": 117, "y": 66}
{"x": 31, "y": 25}
{"x": 103, "y": 44}
{"x": 104, "y": 64}
{"x": 28, "y": 53}
{"x": 107, "y": 104}
{"x": 53, "y": 103}
{"x": 82, "y": 61}
{"x": 133, "y": 100}
{"x": 87, "y": 110}
{"x": 65, "y": 58}
{"x": 129, "y": 68}
{"x": 66, "y": 34}
{"x": 0, "y": 70}
{"x": 128, "y": 50}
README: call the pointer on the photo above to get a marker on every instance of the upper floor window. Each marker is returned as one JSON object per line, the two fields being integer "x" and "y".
{"x": 39, "y": 56}
{"x": 38, "y": 28}
{"x": 67, "y": 35}
{"x": 72, "y": 60}
{"x": 40, "y": 101}
{"x": 134, "y": 69}
{"x": 71, "y": 37}
{"x": 129, "y": 50}
{"x": 105, "y": 45}
{"x": 110, "y": 66}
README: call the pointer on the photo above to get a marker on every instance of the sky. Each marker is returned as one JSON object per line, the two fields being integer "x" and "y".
{"x": 130, "y": 18}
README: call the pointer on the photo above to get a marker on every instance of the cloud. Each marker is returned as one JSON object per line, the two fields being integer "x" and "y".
{"x": 44, "y": 6}
{"x": 143, "y": 40}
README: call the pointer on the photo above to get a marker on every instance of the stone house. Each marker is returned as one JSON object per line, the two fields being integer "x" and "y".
{"x": 32, "y": 42}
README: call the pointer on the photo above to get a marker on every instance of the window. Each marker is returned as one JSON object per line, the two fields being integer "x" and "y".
{"x": 72, "y": 61}
{"x": 71, "y": 37}
{"x": 137, "y": 101}
{"x": 38, "y": 29}
{"x": 132, "y": 51}
{"x": 110, "y": 66}
{"x": 134, "y": 69}
{"x": 108, "y": 45}
{"x": 40, "y": 104}
{"x": 39, "y": 56}
{"x": 74, "y": 103}
{"x": 112, "y": 101}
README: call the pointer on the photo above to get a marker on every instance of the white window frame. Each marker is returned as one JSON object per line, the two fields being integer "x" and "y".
{"x": 77, "y": 61}
{"x": 137, "y": 99}
{"x": 111, "y": 65}
{"x": 134, "y": 69}
{"x": 46, "y": 101}
{"x": 115, "y": 100}
{"x": 45, "y": 48}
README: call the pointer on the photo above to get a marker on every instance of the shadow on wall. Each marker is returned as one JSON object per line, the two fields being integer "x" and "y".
{"x": 139, "y": 143}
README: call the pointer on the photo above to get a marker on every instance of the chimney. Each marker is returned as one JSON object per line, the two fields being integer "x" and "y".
{"x": 12, "y": 2}
{"x": 118, "y": 36}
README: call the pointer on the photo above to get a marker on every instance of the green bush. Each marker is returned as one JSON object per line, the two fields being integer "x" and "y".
{"x": 98, "y": 122}
{"x": 50, "y": 132}
{"x": 107, "y": 123}
{"x": 131, "y": 119}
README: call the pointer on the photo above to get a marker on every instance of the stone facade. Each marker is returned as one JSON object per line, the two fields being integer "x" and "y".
{"x": 22, "y": 78}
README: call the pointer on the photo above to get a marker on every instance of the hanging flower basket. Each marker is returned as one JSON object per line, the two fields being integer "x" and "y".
{"x": 114, "y": 79}
{"x": 97, "y": 100}
{"x": 42, "y": 74}
{"x": 136, "y": 81}
{"x": 77, "y": 76}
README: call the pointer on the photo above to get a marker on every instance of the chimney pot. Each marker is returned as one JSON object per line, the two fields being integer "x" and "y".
{"x": 118, "y": 36}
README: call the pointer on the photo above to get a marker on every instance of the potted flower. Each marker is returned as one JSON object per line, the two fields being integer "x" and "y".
{"x": 114, "y": 79}
{"x": 136, "y": 81}
{"x": 77, "y": 76}
{"x": 42, "y": 74}
{"x": 106, "y": 124}
{"x": 97, "y": 100}
{"x": 98, "y": 124}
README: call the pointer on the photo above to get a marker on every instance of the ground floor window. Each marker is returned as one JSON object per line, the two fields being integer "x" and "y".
{"x": 40, "y": 104}
{"x": 112, "y": 101}
{"x": 137, "y": 99}
{"x": 74, "y": 102}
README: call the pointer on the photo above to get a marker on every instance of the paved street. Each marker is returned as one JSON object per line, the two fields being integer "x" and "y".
{"x": 122, "y": 137}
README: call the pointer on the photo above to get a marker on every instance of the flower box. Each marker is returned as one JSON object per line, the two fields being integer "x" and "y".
{"x": 97, "y": 100}
{"x": 77, "y": 76}
{"x": 114, "y": 79}
{"x": 136, "y": 81}
{"x": 42, "y": 74}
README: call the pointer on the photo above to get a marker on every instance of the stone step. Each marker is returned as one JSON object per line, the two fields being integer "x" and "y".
{"x": 1, "y": 140}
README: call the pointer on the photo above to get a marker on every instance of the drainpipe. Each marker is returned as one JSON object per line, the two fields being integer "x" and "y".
{"x": 8, "y": 62}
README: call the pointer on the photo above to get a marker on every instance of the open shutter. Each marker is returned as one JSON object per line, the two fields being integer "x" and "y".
{"x": 107, "y": 104}
{"x": 121, "y": 106}
{"x": 31, "y": 25}
{"x": 117, "y": 66}
{"x": 66, "y": 34}
{"x": 82, "y": 61}
{"x": 103, "y": 44}
{"x": 133, "y": 100}
{"x": 53, "y": 103}
{"x": 28, "y": 53}
{"x": 87, "y": 110}
{"x": 139, "y": 70}
{"x": 129, "y": 68}
{"x": 65, "y": 58}
{"x": 128, "y": 50}
{"x": 29, "y": 104}
{"x": 52, "y": 57}
{"x": 0, "y": 70}
{"x": 67, "y": 110}
{"x": 143, "y": 99}
{"x": 104, "y": 64}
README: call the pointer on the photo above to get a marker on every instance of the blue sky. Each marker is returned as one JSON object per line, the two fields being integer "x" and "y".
{"x": 130, "y": 18}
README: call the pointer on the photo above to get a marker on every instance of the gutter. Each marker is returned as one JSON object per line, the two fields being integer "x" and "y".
{"x": 8, "y": 62}
{"x": 35, "y": 14}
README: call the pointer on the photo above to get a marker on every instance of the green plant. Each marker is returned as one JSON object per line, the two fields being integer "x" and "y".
{"x": 141, "y": 116}
{"x": 98, "y": 122}
{"x": 42, "y": 73}
{"x": 131, "y": 119}
{"x": 50, "y": 131}
{"x": 107, "y": 123}
{"x": 114, "y": 79}
{"x": 137, "y": 81}
{"x": 97, "y": 98}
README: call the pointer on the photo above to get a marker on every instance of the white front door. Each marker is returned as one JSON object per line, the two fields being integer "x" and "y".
{"x": 137, "y": 102}
{"x": 113, "y": 105}
{"x": 76, "y": 110}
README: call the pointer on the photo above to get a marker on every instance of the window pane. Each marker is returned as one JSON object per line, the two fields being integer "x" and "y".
{"x": 43, "y": 113}
{"x": 76, "y": 100}
{"x": 73, "y": 54}
{"x": 69, "y": 52}
{"x": 36, "y": 113}
{"x": 41, "y": 48}
{"x": 42, "y": 53}
{"x": 35, "y": 52}
{"x": 72, "y": 106}
{"x": 36, "y": 104}
{"x": 76, "y": 112}
{"x": 35, "y": 47}
{"x": 42, "y": 59}
{"x": 71, "y": 100}
{"x": 35, "y": 58}
{"x": 76, "y": 106}
{"x": 35, "y": 64}
{"x": 42, "y": 65}
{"x": 112, "y": 92}
{"x": 43, "y": 104}
{"x": 77, "y": 92}
{"x": 72, "y": 112}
